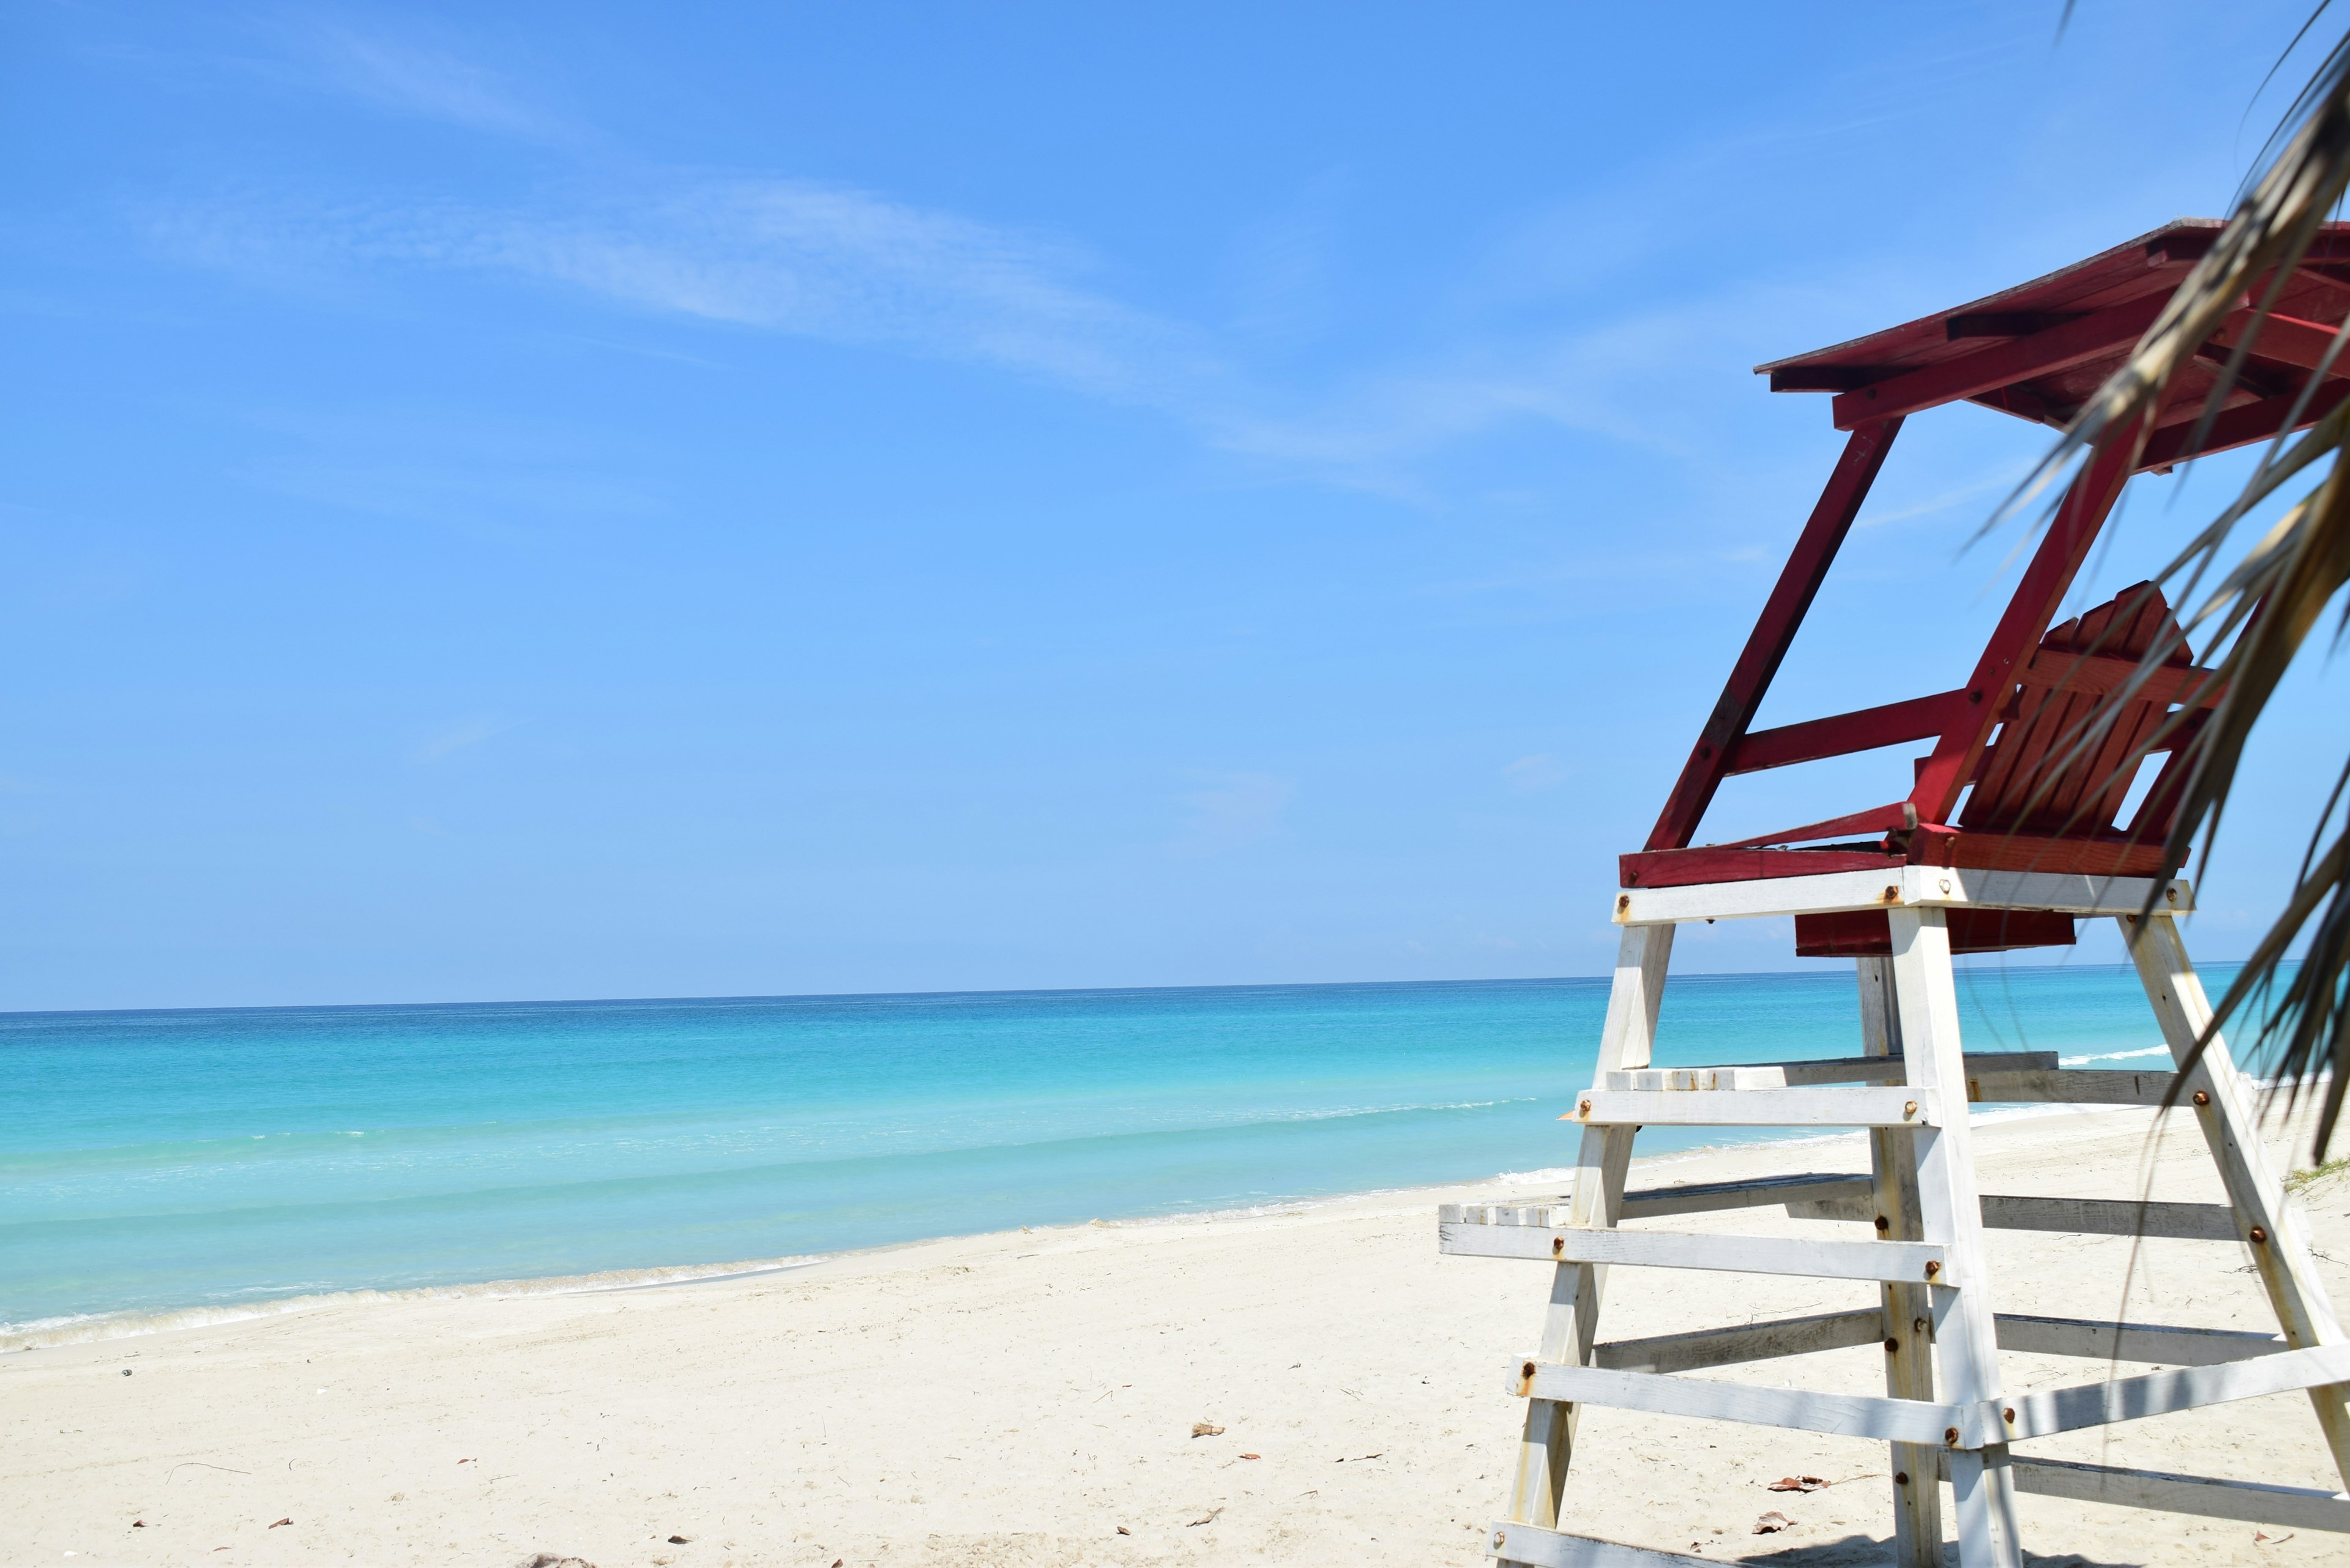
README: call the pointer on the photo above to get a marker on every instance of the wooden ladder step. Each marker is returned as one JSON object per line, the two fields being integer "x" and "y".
{"x": 1893, "y": 1263}
{"x": 2081, "y": 1337}
{"x": 2054, "y": 1410}
{"x": 1931, "y": 1422}
{"x": 1898, "y": 1107}
{"x": 1751, "y": 1075}
{"x": 2255, "y": 1502}
{"x": 1853, "y": 1197}
{"x": 1535, "y": 1547}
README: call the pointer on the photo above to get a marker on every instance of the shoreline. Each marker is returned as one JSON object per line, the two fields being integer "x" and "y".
{"x": 1299, "y": 1384}
{"x": 95, "y": 1328}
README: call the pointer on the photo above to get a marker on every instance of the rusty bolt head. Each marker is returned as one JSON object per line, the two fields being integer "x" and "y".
{"x": 2201, "y": 1098}
{"x": 1527, "y": 1371}
{"x": 1623, "y": 902}
{"x": 1883, "y": 1223}
{"x": 1558, "y": 1245}
{"x": 2259, "y": 1235}
{"x": 1951, "y": 1436}
{"x": 1909, "y": 1107}
{"x": 1891, "y": 1345}
{"x": 1933, "y": 1267}
{"x": 1501, "y": 1539}
{"x": 1901, "y": 1477}
{"x": 2008, "y": 1414}
{"x": 1582, "y": 1107}
{"x": 1892, "y": 895}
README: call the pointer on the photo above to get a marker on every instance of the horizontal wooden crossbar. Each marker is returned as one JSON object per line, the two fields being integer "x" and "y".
{"x": 2159, "y": 1392}
{"x": 1747, "y": 1342}
{"x": 1900, "y": 887}
{"x": 2089, "y": 1340}
{"x": 1745, "y": 1076}
{"x": 1834, "y": 1107}
{"x": 2065, "y": 1216}
{"x": 1707, "y": 1399}
{"x": 2256, "y": 1502}
{"x": 1535, "y": 1547}
{"x": 1912, "y": 1262}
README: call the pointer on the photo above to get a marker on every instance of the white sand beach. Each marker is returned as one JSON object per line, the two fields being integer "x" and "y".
{"x": 1029, "y": 1398}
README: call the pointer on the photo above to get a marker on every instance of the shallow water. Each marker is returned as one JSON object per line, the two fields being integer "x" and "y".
{"x": 218, "y": 1159}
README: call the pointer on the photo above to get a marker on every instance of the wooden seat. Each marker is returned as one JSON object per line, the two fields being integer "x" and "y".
{"x": 2042, "y": 799}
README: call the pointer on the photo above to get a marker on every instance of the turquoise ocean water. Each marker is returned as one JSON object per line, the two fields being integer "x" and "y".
{"x": 161, "y": 1161}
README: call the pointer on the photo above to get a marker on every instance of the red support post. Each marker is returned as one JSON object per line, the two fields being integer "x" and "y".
{"x": 2074, "y": 529}
{"x": 1766, "y": 645}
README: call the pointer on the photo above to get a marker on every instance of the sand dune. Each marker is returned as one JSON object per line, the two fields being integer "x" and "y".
{"x": 1030, "y": 1399}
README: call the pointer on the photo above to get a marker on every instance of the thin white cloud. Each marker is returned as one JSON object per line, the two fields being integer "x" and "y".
{"x": 413, "y": 77}
{"x": 1532, "y": 775}
{"x": 471, "y": 732}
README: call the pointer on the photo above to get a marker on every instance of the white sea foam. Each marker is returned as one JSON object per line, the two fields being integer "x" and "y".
{"x": 2113, "y": 1056}
{"x": 85, "y": 1328}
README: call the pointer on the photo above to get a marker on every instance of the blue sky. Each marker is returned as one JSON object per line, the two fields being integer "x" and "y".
{"x": 613, "y": 500}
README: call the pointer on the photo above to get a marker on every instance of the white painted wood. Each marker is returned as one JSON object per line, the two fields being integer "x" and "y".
{"x": 2112, "y": 1217}
{"x": 2255, "y": 1502}
{"x": 1965, "y": 1344}
{"x": 1709, "y": 1399}
{"x": 2159, "y": 1392}
{"x": 1922, "y": 887}
{"x": 1656, "y": 1201}
{"x": 1538, "y": 1548}
{"x": 1797, "y": 1255}
{"x": 1880, "y": 1107}
{"x": 2069, "y": 1086}
{"x": 2071, "y": 1216}
{"x": 2228, "y": 1124}
{"x": 1570, "y": 1321}
{"x": 1750, "y": 1076}
{"x": 1905, "y": 1311}
{"x": 2155, "y": 1343}
{"x": 1748, "y": 1342}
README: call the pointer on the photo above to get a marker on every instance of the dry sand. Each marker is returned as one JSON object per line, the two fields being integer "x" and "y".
{"x": 1017, "y": 1398}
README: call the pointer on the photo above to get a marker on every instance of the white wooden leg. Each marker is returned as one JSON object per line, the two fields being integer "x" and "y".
{"x": 1570, "y": 1326}
{"x": 1909, "y": 1360}
{"x": 1950, "y": 1212}
{"x": 2223, "y": 1107}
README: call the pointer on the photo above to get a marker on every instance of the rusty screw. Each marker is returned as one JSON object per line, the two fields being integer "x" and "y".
{"x": 1893, "y": 895}
{"x": 1883, "y": 1223}
{"x": 1901, "y": 1477}
{"x": 1891, "y": 1345}
{"x": 1582, "y": 1107}
{"x": 2008, "y": 1414}
{"x": 1909, "y": 1107}
{"x": 2201, "y": 1098}
{"x": 1558, "y": 1245}
{"x": 1951, "y": 1436}
{"x": 1933, "y": 1267}
{"x": 2259, "y": 1235}
{"x": 1623, "y": 903}
{"x": 1527, "y": 1372}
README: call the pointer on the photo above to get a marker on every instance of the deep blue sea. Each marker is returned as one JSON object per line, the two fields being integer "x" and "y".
{"x": 158, "y": 1161}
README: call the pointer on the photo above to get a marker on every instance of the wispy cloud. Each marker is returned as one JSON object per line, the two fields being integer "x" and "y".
{"x": 408, "y": 76}
{"x": 1532, "y": 775}
{"x": 471, "y": 732}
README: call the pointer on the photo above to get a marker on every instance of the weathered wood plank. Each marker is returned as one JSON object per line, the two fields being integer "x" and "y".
{"x": 2230, "y": 1128}
{"x": 2112, "y": 1217}
{"x": 1800, "y": 1256}
{"x": 2148, "y": 1342}
{"x": 1702, "y": 1198}
{"x": 1535, "y": 1547}
{"x": 1751, "y": 1075}
{"x": 1747, "y": 1342}
{"x": 2256, "y": 1502}
{"x": 1708, "y": 1400}
{"x": 2159, "y": 1392}
{"x": 1925, "y": 886}
{"x": 1905, "y": 1311}
{"x": 1898, "y": 1106}
{"x": 2069, "y": 1086}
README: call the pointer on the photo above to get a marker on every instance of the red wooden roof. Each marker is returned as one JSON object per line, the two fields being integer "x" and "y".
{"x": 2039, "y": 350}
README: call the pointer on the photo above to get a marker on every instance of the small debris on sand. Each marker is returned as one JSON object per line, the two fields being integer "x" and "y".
{"x": 1798, "y": 1483}
{"x": 1207, "y": 1518}
{"x": 1771, "y": 1523}
{"x": 1251, "y": 1456}
{"x": 676, "y": 1541}
{"x": 281, "y": 1521}
{"x": 1122, "y": 1530}
{"x": 548, "y": 1560}
{"x": 1206, "y": 1429}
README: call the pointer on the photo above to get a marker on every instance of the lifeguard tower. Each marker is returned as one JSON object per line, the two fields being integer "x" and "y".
{"x": 2009, "y": 835}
